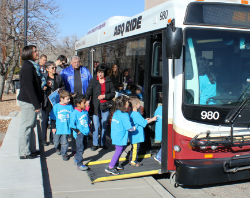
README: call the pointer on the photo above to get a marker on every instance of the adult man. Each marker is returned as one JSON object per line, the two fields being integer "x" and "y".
{"x": 42, "y": 61}
{"x": 76, "y": 78}
{"x": 60, "y": 62}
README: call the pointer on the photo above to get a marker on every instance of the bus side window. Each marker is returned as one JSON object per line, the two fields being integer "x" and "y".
{"x": 157, "y": 60}
{"x": 156, "y": 90}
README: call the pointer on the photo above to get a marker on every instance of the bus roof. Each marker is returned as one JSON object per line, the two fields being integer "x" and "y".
{"x": 156, "y": 18}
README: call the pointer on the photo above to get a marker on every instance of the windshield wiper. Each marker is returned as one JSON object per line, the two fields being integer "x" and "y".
{"x": 234, "y": 114}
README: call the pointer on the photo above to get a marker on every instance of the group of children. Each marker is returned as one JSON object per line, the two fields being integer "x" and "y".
{"x": 127, "y": 125}
{"x": 64, "y": 119}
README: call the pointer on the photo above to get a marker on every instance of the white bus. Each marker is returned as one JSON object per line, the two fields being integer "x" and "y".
{"x": 197, "y": 53}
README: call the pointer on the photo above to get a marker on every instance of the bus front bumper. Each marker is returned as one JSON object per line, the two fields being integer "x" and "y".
{"x": 212, "y": 171}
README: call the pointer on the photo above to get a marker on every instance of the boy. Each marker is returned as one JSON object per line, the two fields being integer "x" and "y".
{"x": 138, "y": 92}
{"x": 60, "y": 115}
{"x": 79, "y": 123}
{"x": 158, "y": 126}
{"x": 137, "y": 136}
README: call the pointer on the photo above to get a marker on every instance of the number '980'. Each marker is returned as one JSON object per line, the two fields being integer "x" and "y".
{"x": 210, "y": 115}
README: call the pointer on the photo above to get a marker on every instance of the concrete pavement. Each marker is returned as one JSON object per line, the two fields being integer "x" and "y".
{"x": 50, "y": 176}
{"x": 18, "y": 178}
{"x": 66, "y": 181}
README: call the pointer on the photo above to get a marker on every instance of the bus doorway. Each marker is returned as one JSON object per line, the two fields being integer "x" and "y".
{"x": 150, "y": 80}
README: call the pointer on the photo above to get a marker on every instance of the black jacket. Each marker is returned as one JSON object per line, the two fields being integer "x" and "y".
{"x": 116, "y": 80}
{"x": 94, "y": 90}
{"x": 58, "y": 83}
{"x": 30, "y": 85}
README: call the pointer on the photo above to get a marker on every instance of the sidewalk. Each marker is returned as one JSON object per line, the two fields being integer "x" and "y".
{"x": 66, "y": 181}
{"x": 18, "y": 178}
{"x": 58, "y": 178}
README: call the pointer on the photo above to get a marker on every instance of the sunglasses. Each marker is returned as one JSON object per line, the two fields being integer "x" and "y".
{"x": 53, "y": 67}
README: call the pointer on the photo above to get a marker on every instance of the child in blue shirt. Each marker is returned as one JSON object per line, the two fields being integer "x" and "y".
{"x": 158, "y": 127}
{"x": 60, "y": 124}
{"x": 137, "y": 136}
{"x": 79, "y": 123}
{"x": 120, "y": 126}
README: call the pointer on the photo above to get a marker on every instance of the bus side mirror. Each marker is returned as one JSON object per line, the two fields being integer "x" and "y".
{"x": 174, "y": 39}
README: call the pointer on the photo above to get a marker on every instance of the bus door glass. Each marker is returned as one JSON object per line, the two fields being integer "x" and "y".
{"x": 156, "y": 86}
{"x": 156, "y": 75}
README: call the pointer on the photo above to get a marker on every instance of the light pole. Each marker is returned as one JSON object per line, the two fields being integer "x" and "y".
{"x": 25, "y": 21}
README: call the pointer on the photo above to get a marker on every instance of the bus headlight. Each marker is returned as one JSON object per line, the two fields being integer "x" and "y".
{"x": 203, "y": 147}
{"x": 177, "y": 148}
{"x": 214, "y": 147}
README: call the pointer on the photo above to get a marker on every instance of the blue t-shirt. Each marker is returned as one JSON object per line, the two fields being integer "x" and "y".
{"x": 139, "y": 122}
{"x": 207, "y": 90}
{"x": 61, "y": 114}
{"x": 158, "y": 123}
{"x": 79, "y": 120}
{"x": 120, "y": 125}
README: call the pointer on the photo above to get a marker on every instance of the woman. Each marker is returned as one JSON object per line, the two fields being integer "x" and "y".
{"x": 102, "y": 91}
{"x": 54, "y": 81}
{"x": 30, "y": 98}
{"x": 115, "y": 76}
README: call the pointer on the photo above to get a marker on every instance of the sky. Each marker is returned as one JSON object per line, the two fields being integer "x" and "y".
{"x": 77, "y": 17}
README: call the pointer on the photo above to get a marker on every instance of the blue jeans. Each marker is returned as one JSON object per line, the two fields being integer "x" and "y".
{"x": 63, "y": 140}
{"x": 79, "y": 149}
{"x": 104, "y": 123}
{"x": 158, "y": 155}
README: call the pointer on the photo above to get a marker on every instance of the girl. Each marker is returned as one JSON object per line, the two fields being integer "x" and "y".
{"x": 115, "y": 76}
{"x": 120, "y": 126}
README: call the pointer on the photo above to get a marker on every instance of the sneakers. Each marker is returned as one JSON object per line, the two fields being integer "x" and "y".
{"x": 112, "y": 171}
{"x": 104, "y": 147}
{"x": 65, "y": 157}
{"x": 27, "y": 157}
{"x": 156, "y": 159}
{"x": 135, "y": 164}
{"x": 36, "y": 153}
{"x": 94, "y": 148}
{"x": 119, "y": 167}
{"x": 83, "y": 167}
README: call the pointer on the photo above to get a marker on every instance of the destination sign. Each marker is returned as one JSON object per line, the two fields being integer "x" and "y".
{"x": 218, "y": 14}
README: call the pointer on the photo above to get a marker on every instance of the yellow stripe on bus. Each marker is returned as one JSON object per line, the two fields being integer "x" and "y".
{"x": 122, "y": 159}
{"x": 124, "y": 176}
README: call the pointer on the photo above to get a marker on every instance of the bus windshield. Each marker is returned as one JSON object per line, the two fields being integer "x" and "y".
{"x": 216, "y": 67}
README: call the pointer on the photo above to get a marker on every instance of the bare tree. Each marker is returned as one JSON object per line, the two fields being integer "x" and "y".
{"x": 41, "y": 29}
{"x": 65, "y": 46}
{"x": 14, "y": 63}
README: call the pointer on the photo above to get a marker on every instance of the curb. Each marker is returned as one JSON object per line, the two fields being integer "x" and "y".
{"x": 158, "y": 187}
